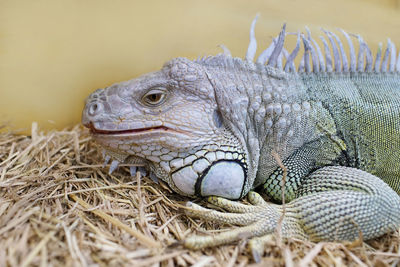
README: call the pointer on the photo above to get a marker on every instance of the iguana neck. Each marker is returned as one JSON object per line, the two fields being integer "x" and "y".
{"x": 262, "y": 106}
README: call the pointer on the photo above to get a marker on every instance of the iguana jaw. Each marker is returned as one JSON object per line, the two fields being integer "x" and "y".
{"x": 192, "y": 171}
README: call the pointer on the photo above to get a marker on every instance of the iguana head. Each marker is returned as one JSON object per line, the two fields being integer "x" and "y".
{"x": 170, "y": 122}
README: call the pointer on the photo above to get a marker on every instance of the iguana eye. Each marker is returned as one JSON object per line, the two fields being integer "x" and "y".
{"x": 154, "y": 97}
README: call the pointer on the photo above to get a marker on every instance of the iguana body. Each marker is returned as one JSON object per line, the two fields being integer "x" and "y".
{"x": 211, "y": 127}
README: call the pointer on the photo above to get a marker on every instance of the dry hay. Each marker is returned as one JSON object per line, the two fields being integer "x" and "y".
{"x": 59, "y": 207}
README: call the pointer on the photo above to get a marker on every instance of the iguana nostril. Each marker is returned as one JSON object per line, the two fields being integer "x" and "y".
{"x": 94, "y": 108}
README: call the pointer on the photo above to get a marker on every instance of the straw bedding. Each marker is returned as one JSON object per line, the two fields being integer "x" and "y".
{"x": 60, "y": 207}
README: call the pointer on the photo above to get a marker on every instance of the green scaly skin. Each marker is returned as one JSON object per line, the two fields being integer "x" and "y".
{"x": 218, "y": 126}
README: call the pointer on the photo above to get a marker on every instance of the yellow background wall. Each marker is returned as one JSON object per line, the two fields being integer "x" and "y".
{"x": 53, "y": 53}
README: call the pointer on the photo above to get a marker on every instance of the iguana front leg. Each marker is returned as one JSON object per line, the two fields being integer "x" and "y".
{"x": 333, "y": 203}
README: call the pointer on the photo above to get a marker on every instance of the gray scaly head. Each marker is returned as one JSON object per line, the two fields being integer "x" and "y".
{"x": 169, "y": 122}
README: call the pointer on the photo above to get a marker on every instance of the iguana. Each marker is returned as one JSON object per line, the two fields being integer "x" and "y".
{"x": 217, "y": 126}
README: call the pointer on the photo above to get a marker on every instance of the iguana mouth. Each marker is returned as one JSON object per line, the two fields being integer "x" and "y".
{"x": 94, "y": 130}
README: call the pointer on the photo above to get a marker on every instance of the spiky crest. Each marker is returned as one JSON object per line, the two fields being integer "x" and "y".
{"x": 273, "y": 55}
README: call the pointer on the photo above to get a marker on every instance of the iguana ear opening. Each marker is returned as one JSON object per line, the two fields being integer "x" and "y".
{"x": 217, "y": 118}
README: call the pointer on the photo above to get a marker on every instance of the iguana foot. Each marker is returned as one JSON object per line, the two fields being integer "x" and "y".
{"x": 256, "y": 220}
